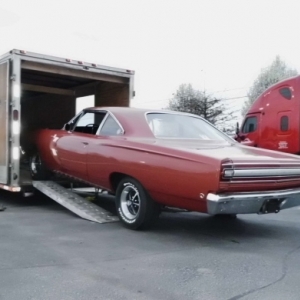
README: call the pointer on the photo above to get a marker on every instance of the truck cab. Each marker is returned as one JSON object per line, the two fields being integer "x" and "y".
{"x": 272, "y": 121}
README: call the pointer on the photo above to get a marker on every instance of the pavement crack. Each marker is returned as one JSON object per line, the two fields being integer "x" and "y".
{"x": 284, "y": 272}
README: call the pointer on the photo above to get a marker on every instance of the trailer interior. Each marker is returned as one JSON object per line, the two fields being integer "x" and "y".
{"x": 48, "y": 99}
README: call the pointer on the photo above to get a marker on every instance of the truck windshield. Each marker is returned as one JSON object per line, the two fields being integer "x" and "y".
{"x": 166, "y": 125}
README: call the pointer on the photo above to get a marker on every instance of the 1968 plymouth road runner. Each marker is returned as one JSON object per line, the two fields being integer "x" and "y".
{"x": 151, "y": 159}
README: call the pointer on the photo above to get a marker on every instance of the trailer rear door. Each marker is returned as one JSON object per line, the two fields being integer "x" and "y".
{"x": 4, "y": 102}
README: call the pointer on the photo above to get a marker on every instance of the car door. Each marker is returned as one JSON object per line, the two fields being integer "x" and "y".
{"x": 73, "y": 145}
{"x": 250, "y": 130}
{"x": 101, "y": 156}
{"x": 287, "y": 136}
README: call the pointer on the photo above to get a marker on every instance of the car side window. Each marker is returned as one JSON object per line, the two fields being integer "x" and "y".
{"x": 89, "y": 122}
{"x": 250, "y": 125}
{"x": 111, "y": 127}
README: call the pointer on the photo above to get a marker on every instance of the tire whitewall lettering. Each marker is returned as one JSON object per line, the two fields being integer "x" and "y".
{"x": 37, "y": 168}
{"x": 134, "y": 206}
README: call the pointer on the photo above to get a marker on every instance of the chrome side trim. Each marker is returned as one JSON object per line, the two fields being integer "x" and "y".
{"x": 272, "y": 163}
{"x": 266, "y": 172}
{"x": 260, "y": 181}
{"x": 250, "y": 202}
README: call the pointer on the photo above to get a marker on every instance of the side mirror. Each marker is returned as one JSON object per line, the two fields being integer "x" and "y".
{"x": 67, "y": 127}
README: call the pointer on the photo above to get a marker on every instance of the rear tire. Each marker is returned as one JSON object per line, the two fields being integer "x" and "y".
{"x": 135, "y": 207}
{"x": 38, "y": 170}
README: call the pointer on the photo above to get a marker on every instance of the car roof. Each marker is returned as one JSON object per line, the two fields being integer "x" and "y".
{"x": 124, "y": 110}
{"x": 117, "y": 110}
{"x": 133, "y": 120}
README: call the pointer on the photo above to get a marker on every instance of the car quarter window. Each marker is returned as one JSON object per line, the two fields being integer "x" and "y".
{"x": 250, "y": 125}
{"x": 111, "y": 127}
{"x": 89, "y": 122}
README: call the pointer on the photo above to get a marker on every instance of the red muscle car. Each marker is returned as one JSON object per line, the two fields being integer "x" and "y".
{"x": 152, "y": 159}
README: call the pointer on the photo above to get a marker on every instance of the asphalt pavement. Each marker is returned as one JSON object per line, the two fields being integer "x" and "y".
{"x": 46, "y": 252}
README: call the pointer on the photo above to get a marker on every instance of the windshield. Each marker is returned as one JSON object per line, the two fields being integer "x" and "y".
{"x": 166, "y": 125}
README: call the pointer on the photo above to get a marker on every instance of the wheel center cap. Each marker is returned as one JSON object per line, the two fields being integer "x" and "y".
{"x": 128, "y": 202}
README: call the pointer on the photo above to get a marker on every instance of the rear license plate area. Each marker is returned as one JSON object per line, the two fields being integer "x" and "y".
{"x": 271, "y": 206}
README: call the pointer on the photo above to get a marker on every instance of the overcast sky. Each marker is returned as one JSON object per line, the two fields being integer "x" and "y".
{"x": 217, "y": 45}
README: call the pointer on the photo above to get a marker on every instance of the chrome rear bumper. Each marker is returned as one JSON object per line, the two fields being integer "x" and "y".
{"x": 252, "y": 202}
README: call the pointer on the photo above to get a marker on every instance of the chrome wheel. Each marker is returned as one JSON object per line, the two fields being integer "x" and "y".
{"x": 135, "y": 207}
{"x": 37, "y": 168}
{"x": 130, "y": 201}
{"x": 35, "y": 164}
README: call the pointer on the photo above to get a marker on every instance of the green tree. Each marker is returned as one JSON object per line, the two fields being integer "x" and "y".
{"x": 187, "y": 99}
{"x": 276, "y": 72}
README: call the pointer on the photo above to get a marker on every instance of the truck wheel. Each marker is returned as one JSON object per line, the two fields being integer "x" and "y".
{"x": 38, "y": 170}
{"x": 135, "y": 207}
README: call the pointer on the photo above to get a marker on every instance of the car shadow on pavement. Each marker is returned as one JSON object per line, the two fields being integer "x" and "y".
{"x": 188, "y": 225}
{"x": 242, "y": 229}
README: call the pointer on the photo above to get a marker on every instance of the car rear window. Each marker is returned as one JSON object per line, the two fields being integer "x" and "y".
{"x": 167, "y": 125}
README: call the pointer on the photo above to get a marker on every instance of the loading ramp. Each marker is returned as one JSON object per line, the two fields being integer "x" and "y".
{"x": 75, "y": 203}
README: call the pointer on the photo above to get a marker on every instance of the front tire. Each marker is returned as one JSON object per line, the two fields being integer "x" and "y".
{"x": 38, "y": 170}
{"x": 135, "y": 207}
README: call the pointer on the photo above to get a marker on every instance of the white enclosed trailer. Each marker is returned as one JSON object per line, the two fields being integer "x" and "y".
{"x": 40, "y": 91}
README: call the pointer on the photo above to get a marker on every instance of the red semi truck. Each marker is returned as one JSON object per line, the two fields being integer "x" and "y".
{"x": 273, "y": 120}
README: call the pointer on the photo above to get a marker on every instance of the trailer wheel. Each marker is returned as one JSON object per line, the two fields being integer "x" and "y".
{"x": 38, "y": 170}
{"x": 135, "y": 207}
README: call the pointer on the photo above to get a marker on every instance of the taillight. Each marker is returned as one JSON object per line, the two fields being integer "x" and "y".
{"x": 228, "y": 173}
{"x": 227, "y": 170}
